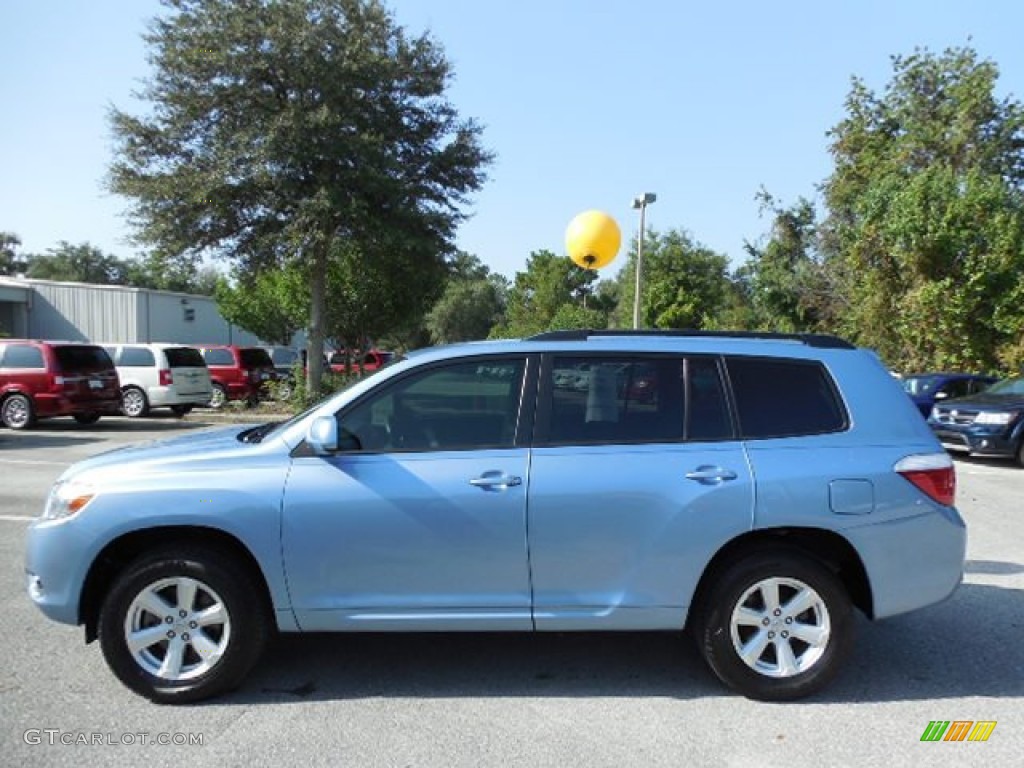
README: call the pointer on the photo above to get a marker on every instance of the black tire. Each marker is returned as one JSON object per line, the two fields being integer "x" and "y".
{"x": 219, "y": 398}
{"x": 772, "y": 675}
{"x": 237, "y": 642}
{"x": 86, "y": 418}
{"x": 181, "y": 411}
{"x": 16, "y": 412}
{"x": 134, "y": 403}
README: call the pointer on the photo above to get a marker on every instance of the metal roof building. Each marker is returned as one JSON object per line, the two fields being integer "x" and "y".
{"x": 47, "y": 309}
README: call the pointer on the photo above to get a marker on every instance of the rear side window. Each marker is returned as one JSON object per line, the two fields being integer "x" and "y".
{"x": 82, "y": 358}
{"x": 615, "y": 400}
{"x": 256, "y": 358}
{"x": 284, "y": 356}
{"x": 136, "y": 357}
{"x": 784, "y": 398}
{"x": 218, "y": 357}
{"x": 184, "y": 357}
{"x": 22, "y": 356}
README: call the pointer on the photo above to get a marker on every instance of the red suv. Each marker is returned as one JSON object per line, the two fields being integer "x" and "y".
{"x": 372, "y": 360}
{"x": 238, "y": 373}
{"x": 40, "y": 379}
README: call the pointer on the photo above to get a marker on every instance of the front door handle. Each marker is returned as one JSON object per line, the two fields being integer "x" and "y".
{"x": 707, "y": 474}
{"x": 495, "y": 480}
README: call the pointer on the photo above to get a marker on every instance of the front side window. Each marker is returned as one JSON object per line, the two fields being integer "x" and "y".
{"x": 455, "y": 407}
{"x": 784, "y": 398}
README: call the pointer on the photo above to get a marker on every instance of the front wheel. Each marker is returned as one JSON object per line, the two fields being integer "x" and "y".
{"x": 775, "y": 626}
{"x": 182, "y": 625}
{"x": 16, "y": 412}
{"x": 181, "y": 411}
{"x": 219, "y": 397}
{"x": 134, "y": 403}
{"x": 86, "y": 418}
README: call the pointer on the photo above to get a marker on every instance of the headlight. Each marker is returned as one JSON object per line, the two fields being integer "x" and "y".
{"x": 66, "y": 499}
{"x": 1000, "y": 418}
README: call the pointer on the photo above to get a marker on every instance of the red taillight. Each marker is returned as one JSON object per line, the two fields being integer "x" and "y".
{"x": 166, "y": 378}
{"x": 933, "y": 474}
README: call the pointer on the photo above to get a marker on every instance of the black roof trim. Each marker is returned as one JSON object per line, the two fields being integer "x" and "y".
{"x": 820, "y": 340}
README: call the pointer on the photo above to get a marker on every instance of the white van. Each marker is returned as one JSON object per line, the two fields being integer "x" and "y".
{"x": 160, "y": 376}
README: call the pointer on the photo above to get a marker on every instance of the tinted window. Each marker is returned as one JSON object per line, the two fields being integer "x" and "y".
{"x": 218, "y": 357}
{"x": 283, "y": 357}
{"x": 184, "y": 357}
{"x": 23, "y": 356}
{"x": 707, "y": 412}
{"x": 256, "y": 358}
{"x": 136, "y": 357}
{"x": 615, "y": 400}
{"x": 780, "y": 398}
{"x": 82, "y": 358}
{"x": 463, "y": 406}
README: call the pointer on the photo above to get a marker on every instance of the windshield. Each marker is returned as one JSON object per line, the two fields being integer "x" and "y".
{"x": 1013, "y": 386}
{"x": 919, "y": 385}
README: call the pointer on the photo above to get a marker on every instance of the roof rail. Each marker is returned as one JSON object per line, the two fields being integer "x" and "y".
{"x": 820, "y": 340}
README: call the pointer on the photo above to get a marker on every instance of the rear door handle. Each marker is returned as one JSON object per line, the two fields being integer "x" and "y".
{"x": 706, "y": 474}
{"x": 495, "y": 480}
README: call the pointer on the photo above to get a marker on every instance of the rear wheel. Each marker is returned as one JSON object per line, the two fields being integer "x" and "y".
{"x": 181, "y": 410}
{"x": 86, "y": 418}
{"x": 134, "y": 402}
{"x": 16, "y": 412}
{"x": 775, "y": 626}
{"x": 182, "y": 624}
{"x": 219, "y": 397}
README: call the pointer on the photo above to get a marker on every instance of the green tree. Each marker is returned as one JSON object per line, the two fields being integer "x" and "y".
{"x": 11, "y": 262}
{"x": 537, "y": 294}
{"x": 924, "y": 234}
{"x": 269, "y": 304}
{"x": 472, "y": 303}
{"x": 82, "y": 263}
{"x": 299, "y": 131}
{"x": 783, "y": 278}
{"x": 685, "y": 284}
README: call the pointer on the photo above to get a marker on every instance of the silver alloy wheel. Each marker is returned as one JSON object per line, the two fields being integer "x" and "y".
{"x": 16, "y": 412}
{"x": 133, "y": 402}
{"x": 780, "y": 627}
{"x": 177, "y": 629}
{"x": 218, "y": 398}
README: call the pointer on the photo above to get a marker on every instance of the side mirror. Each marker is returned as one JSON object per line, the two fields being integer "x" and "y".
{"x": 322, "y": 435}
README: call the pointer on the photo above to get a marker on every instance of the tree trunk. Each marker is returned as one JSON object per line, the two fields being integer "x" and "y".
{"x": 315, "y": 342}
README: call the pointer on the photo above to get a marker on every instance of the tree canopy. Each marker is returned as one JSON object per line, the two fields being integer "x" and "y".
{"x": 298, "y": 131}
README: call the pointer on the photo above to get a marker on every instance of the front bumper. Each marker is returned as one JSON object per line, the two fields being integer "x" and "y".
{"x": 976, "y": 441}
{"x": 55, "y": 560}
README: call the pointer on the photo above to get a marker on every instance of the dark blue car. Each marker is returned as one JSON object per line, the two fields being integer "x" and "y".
{"x": 990, "y": 423}
{"x": 925, "y": 389}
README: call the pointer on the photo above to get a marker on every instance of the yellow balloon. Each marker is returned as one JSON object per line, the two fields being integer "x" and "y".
{"x": 592, "y": 239}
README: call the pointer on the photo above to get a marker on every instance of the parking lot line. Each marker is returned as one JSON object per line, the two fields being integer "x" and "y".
{"x": 17, "y": 518}
{"x": 40, "y": 462}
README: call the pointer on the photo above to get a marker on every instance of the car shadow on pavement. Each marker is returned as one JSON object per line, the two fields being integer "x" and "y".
{"x": 967, "y": 646}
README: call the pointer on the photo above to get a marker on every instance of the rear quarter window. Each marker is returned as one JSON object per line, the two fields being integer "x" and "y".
{"x": 256, "y": 358}
{"x": 784, "y": 398}
{"x": 184, "y": 357}
{"x": 22, "y": 356}
{"x": 82, "y": 358}
{"x": 136, "y": 357}
{"x": 219, "y": 357}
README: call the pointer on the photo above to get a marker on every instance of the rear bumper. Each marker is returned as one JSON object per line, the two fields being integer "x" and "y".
{"x": 48, "y": 405}
{"x": 166, "y": 396}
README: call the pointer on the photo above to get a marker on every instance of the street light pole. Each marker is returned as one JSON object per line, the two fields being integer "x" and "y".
{"x": 640, "y": 202}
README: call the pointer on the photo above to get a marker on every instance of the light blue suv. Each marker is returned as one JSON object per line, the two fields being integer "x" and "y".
{"x": 761, "y": 488}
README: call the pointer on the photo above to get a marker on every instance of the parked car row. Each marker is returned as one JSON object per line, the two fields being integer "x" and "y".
{"x": 44, "y": 379}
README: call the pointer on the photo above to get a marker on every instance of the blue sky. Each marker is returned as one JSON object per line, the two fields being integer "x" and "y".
{"x": 586, "y": 103}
